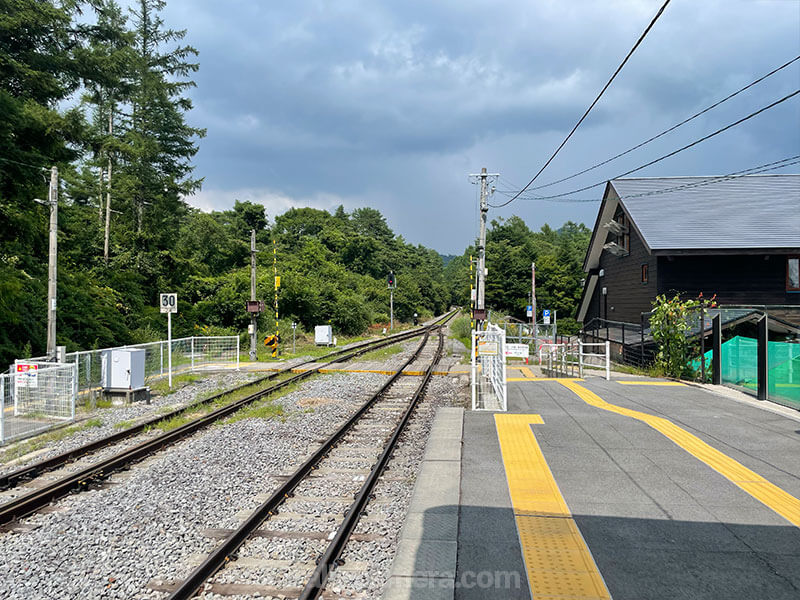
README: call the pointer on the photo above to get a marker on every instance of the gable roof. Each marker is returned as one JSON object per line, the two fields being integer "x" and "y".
{"x": 704, "y": 213}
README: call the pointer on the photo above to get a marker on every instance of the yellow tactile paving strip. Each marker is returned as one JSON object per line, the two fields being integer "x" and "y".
{"x": 673, "y": 383}
{"x": 538, "y": 379}
{"x": 754, "y": 484}
{"x": 557, "y": 560}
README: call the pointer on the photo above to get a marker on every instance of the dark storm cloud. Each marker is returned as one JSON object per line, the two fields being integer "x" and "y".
{"x": 392, "y": 104}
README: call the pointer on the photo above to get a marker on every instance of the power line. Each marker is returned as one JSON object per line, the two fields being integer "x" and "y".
{"x": 673, "y": 128}
{"x": 772, "y": 166}
{"x": 591, "y": 106}
{"x": 665, "y": 156}
{"x": 23, "y": 164}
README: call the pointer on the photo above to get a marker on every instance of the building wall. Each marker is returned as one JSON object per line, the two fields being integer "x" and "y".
{"x": 736, "y": 279}
{"x": 627, "y": 296}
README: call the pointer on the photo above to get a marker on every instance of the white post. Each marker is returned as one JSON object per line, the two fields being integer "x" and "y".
{"x": 580, "y": 359}
{"x": 474, "y": 368}
{"x": 237, "y": 352}
{"x": 192, "y": 346}
{"x": 161, "y": 355}
{"x": 169, "y": 348}
{"x": 74, "y": 390}
{"x": 2, "y": 408}
{"x": 608, "y": 360}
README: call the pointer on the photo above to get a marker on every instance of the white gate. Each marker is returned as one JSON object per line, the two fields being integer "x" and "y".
{"x": 489, "y": 369}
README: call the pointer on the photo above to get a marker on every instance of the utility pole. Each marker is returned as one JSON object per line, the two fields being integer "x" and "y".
{"x": 108, "y": 193}
{"x": 253, "y": 315}
{"x": 480, "y": 302}
{"x": 391, "y": 283}
{"x": 533, "y": 310}
{"x": 277, "y": 285}
{"x": 52, "y": 267}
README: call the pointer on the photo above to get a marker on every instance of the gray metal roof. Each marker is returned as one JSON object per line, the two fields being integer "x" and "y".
{"x": 698, "y": 213}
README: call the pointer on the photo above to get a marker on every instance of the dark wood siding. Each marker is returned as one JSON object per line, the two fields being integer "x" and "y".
{"x": 627, "y": 296}
{"x": 735, "y": 279}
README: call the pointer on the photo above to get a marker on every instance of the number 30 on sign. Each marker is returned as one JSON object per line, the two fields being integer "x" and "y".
{"x": 169, "y": 303}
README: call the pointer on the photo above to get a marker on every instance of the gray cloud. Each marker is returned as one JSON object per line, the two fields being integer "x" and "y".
{"x": 392, "y": 104}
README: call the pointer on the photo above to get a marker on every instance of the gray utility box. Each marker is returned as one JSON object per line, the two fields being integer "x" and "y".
{"x": 122, "y": 369}
{"x": 323, "y": 335}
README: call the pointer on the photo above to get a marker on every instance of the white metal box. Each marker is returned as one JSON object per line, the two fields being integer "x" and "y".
{"x": 323, "y": 335}
{"x": 122, "y": 369}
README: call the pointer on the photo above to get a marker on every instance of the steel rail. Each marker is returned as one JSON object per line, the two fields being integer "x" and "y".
{"x": 28, "y": 503}
{"x": 222, "y": 553}
{"x": 14, "y": 478}
{"x": 330, "y": 557}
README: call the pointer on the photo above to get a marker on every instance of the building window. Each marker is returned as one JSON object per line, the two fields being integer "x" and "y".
{"x": 793, "y": 274}
{"x": 645, "y": 273}
{"x": 624, "y": 238}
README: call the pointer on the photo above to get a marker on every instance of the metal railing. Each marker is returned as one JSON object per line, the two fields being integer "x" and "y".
{"x": 36, "y": 396}
{"x": 573, "y": 359}
{"x": 489, "y": 390}
{"x": 188, "y": 354}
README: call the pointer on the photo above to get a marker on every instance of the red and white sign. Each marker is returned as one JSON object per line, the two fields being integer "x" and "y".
{"x": 27, "y": 375}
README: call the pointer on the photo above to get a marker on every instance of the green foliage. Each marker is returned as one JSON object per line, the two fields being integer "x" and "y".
{"x": 669, "y": 324}
{"x": 511, "y": 247}
{"x": 461, "y": 330}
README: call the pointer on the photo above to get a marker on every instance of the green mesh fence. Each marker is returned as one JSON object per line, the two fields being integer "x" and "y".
{"x": 740, "y": 368}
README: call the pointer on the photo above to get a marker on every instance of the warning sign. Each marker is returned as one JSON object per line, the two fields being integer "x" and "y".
{"x": 487, "y": 349}
{"x": 27, "y": 376}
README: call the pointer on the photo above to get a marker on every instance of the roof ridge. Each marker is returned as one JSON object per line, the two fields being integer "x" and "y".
{"x": 708, "y": 177}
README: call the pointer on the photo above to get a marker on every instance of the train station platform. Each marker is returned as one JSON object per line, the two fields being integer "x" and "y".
{"x": 640, "y": 489}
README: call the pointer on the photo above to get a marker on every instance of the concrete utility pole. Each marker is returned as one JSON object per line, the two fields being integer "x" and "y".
{"x": 108, "y": 194}
{"x": 254, "y": 315}
{"x": 52, "y": 268}
{"x": 533, "y": 310}
{"x": 480, "y": 301}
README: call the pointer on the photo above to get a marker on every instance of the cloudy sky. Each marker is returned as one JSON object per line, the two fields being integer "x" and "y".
{"x": 392, "y": 104}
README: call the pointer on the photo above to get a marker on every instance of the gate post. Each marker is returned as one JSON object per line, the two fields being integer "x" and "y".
{"x": 580, "y": 358}
{"x": 608, "y": 360}
{"x": 716, "y": 352}
{"x": 763, "y": 354}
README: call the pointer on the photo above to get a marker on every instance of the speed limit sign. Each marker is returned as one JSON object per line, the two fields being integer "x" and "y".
{"x": 169, "y": 303}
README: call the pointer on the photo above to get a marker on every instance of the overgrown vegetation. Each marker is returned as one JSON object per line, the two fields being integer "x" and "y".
{"x": 670, "y": 325}
{"x": 161, "y": 386}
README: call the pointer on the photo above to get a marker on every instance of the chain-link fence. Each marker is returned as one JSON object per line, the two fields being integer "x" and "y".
{"x": 36, "y": 396}
{"x": 489, "y": 369}
{"x": 188, "y": 354}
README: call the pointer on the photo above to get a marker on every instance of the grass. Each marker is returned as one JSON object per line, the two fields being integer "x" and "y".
{"x": 123, "y": 425}
{"x": 260, "y": 410}
{"x": 161, "y": 386}
{"x": 102, "y": 403}
{"x": 41, "y": 441}
{"x": 380, "y": 354}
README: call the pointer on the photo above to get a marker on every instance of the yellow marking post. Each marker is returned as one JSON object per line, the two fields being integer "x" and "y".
{"x": 674, "y": 383}
{"x": 557, "y": 560}
{"x": 754, "y": 484}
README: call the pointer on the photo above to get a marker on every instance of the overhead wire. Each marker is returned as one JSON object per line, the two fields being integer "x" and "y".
{"x": 671, "y": 129}
{"x": 596, "y": 100}
{"x": 659, "y": 159}
{"x": 771, "y": 166}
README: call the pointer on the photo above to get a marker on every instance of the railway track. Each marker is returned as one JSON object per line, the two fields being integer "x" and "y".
{"x": 36, "y": 499}
{"x": 376, "y": 426}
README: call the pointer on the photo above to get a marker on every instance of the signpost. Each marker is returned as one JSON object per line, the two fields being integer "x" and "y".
{"x": 529, "y": 310}
{"x": 294, "y": 331}
{"x": 546, "y": 316}
{"x": 517, "y": 351}
{"x": 169, "y": 304}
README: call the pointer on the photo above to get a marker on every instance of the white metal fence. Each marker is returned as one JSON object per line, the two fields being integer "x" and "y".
{"x": 575, "y": 359}
{"x": 489, "y": 369}
{"x": 36, "y": 396}
{"x": 188, "y": 354}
